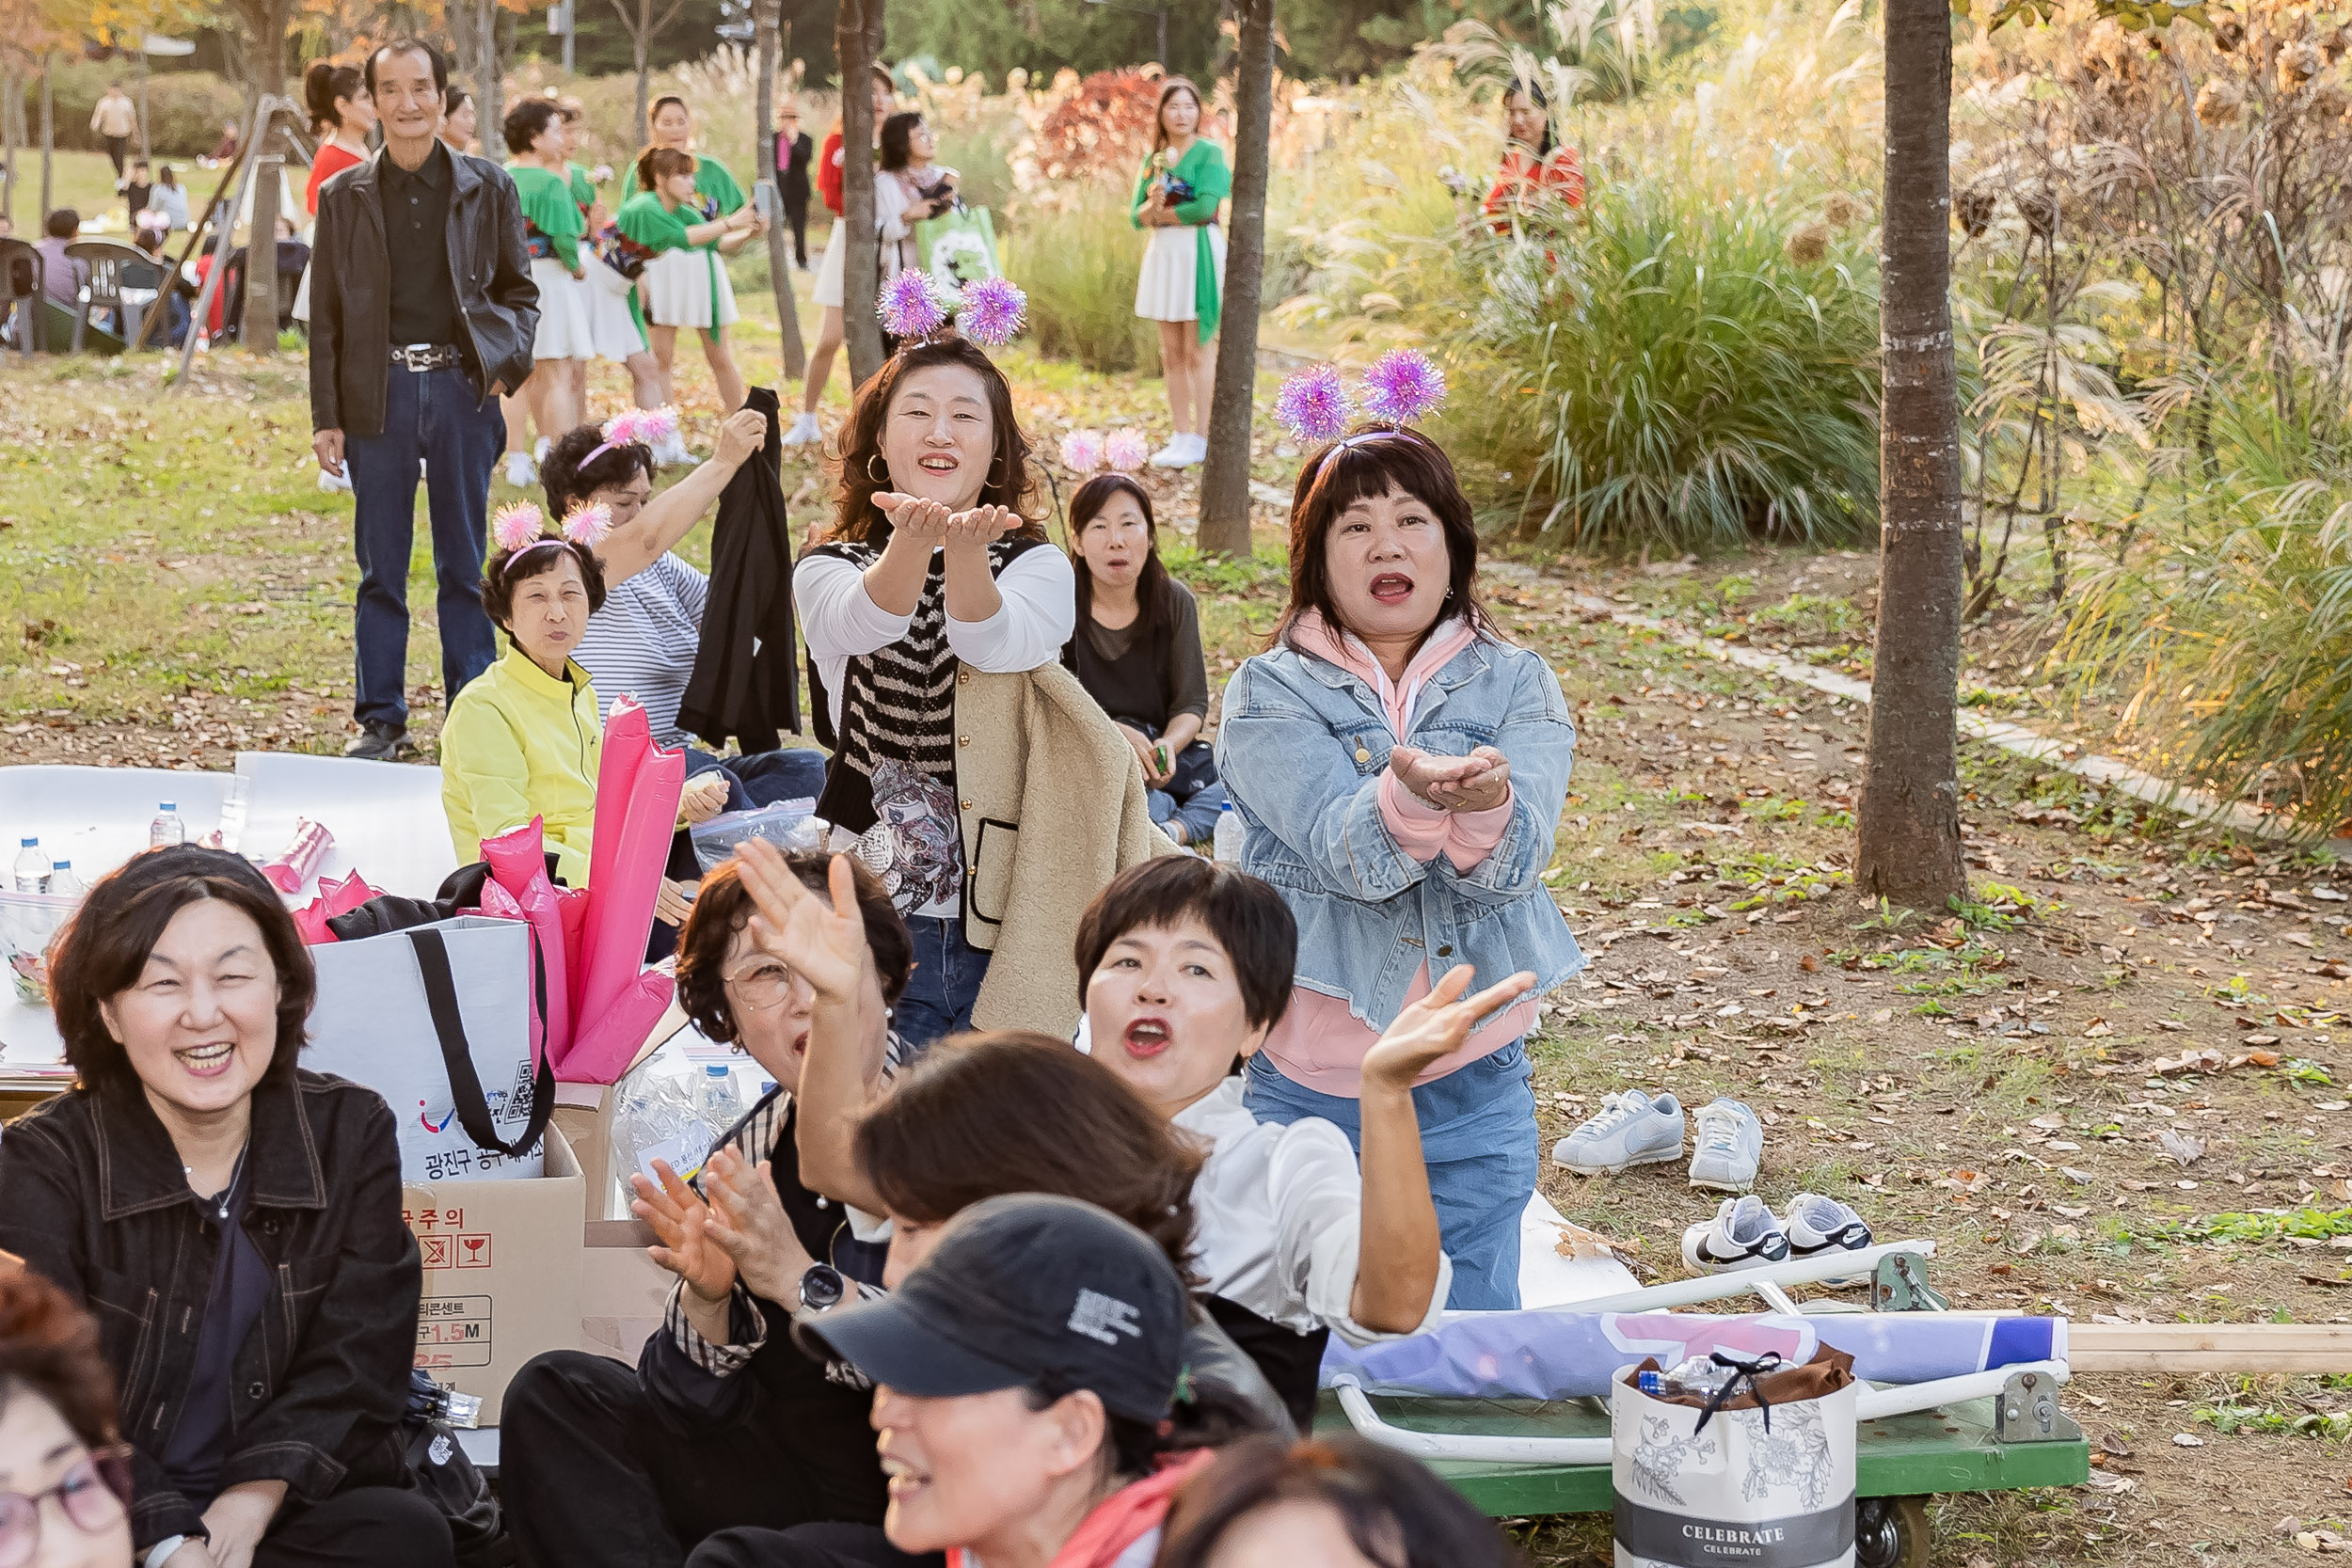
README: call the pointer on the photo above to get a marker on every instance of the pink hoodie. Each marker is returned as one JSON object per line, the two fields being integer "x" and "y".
{"x": 1320, "y": 1044}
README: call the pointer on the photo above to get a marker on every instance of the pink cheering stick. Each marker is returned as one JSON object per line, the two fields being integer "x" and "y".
{"x": 294, "y": 867}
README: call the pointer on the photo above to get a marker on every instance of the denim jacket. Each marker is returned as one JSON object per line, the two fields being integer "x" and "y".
{"x": 94, "y": 1197}
{"x": 1302, "y": 745}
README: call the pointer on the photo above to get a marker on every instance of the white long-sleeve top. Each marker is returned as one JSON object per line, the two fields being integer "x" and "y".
{"x": 1280, "y": 1214}
{"x": 840, "y": 620}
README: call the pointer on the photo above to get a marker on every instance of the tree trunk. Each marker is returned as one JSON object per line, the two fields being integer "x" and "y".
{"x": 642, "y": 37}
{"x": 145, "y": 151}
{"x": 1907, "y": 849}
{"x": 12, "y": 117}
{"x": 1224, "y": 528}
{"x": 779, "y": 241}
{"x": 264, "y": 24}
{"x": 489, "y": 91}
{"x": 48, "y": 133}
{"x": 857, "y": 37}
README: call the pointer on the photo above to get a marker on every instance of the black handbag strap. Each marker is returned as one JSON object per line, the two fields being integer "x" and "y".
{"x": 465, "y": 1085}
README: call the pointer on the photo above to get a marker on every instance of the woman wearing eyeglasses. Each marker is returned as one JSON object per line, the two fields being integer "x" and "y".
{"x": 65, "y": 1480}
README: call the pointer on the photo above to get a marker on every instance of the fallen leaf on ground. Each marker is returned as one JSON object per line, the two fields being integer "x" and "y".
{"x": 2187, "y": 1440}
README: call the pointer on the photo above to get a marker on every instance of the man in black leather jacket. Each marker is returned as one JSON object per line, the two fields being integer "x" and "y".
{"x": 422, "y": 312}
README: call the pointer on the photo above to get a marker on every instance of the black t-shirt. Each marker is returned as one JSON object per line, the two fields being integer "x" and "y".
{"x": 416, "y": 242}
{"x": 1145, "y": 683}
{"x": 241, "y": 1289}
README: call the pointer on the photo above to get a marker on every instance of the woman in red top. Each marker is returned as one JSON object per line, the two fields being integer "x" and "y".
{"x": 1537, "y": 170}
{"x": 342, "y": 115}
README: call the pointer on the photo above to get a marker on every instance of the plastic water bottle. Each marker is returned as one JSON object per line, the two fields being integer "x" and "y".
{"x": 63, "y": 882}
{"x": 167, "y": 830}
{"x": 1229, "y": 832}
{"x": 714, "y": 1097}
{"x": 32, "y": 867}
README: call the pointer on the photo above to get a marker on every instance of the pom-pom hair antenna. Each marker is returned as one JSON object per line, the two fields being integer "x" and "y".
{"x": 1126, "y": 451}
{"x": 992, "y": 311}
{"x": 908, "y": 306}
{"x": 588, "y": 525}
{"x": 1082, "y": 450}
{"x": 652, "y": 426}
{"x": 518, "y": 526}
{"x": 1314, "y": 405}
{"x": 1402, "y": 387}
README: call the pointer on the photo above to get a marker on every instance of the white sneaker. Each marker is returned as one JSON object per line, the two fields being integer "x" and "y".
{"x": 1176, "y": 455}
{"x": 804, "y": 431}
{"x": 539, "y": 450}
{"x": 1730, "y": 1147}
{"x": 1818, "y": 1225}
{"x": 1200, "y": 447}
{"x": 520, "y": 471}
{"x": 1631, "y": 1130}
{"x": 1744, "y": 1234}
{"x": 672, "y": 452}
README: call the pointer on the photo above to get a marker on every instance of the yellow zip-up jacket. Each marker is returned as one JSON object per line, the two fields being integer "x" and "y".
{"x": 520, "y": 744}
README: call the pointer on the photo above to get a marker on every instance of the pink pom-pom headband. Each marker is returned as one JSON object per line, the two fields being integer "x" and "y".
{"x": 1125, "y": 451}
{"x": 652, "y": 426}
{"x": 521, "y": 527}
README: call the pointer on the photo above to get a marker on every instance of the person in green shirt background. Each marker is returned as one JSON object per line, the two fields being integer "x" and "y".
{"x": 1177, "y": 197}
{"x": 688, "y": 286}
{"x": 614, "y": 326}
{"x": 552, "y": 227}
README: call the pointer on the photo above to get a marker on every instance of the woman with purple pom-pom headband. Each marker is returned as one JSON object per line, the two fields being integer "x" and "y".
{"x": 1400, "y": 388}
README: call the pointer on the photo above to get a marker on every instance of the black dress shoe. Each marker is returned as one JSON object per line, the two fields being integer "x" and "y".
{"x": 380, "y": 742}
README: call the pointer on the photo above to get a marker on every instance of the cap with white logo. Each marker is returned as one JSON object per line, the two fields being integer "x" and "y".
{"x": 1024, "y": 1292}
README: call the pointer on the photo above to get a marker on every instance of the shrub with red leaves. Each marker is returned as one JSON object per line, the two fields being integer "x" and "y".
{"x": 1103, "y": 129}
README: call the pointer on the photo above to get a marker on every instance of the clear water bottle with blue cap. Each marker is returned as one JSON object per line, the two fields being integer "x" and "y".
{"x": 1229, "y": 832}
{"x": 714, "y": 1097}
{"x": 62, "y": 881}
{"x": 167, "y": 830}
{"x": 32, "y": 866}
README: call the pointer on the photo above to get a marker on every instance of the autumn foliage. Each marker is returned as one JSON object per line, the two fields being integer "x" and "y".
{"x": 1103, "y": 128}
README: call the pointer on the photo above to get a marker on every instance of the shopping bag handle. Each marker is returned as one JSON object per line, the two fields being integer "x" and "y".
{"x": 465, "y": 1085}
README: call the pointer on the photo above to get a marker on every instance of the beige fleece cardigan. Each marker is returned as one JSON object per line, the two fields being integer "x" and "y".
{"x": 1033, "y": 749}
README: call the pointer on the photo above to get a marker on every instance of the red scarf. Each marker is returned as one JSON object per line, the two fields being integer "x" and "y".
{"x": 1119, "y": 1521}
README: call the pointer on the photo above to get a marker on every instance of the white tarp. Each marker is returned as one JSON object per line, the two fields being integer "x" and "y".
{"x": 387, "y": 820}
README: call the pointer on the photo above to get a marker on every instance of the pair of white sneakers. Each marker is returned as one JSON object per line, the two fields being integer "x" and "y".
{"x": 1746, "y": 1234}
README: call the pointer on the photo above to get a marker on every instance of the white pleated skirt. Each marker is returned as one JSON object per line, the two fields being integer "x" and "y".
{"x": 564, "y": 326}
{"x": 611, "y": 329}
{"x": 689, "y": 288}
{"x": 834, "y": 268}
{"x": 1164, "y": 291}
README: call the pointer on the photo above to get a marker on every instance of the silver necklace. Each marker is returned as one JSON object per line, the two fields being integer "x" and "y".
{"x": 221, "y": 1200}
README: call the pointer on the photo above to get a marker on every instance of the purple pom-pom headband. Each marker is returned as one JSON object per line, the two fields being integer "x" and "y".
{"x": 990, "y": 310}
{"x": 1401, "y": 387}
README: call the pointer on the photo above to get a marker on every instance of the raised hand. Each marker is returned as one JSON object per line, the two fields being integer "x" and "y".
{"x": 744, "y": 433}
{"x": 824, "y": 945}
{"x": 748, "y": 1223}
{"x": 1433, "y": 1028}
{"x": 682, "y": 1221}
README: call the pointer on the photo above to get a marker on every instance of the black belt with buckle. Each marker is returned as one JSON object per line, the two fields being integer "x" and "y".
{"x": 425, "y": 356}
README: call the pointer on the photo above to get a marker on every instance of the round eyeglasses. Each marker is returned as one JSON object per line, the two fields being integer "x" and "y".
{"x": 758, "y": 986}
{"x": 92, "y": 1496}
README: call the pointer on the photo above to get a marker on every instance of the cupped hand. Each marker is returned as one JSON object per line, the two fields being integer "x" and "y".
{"x": 921, "y": 521}
{"x": 1422, "y": 771}
{"x": 1482, "y": 790}
{"x": 823, "y": 944}
{"x": 1433, "y": 1028}
{"x": 979, "y": 527}
{"x": 748, "y": 1223}
{"x": 744, "y": 433}
{"x": 682, "y": 1220}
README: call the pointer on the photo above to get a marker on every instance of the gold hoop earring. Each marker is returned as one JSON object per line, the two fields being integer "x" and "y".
{"x": 870, "y": 475}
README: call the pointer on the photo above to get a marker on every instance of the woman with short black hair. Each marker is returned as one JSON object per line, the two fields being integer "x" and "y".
{"x": 234, "y": 1221}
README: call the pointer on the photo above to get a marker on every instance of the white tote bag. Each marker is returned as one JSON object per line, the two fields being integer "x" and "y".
{"x": 437, "y": 1019}
{"x": 1759, "y": 1488}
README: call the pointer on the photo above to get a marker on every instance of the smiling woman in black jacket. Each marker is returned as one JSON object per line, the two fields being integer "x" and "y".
{"x": 235, "y": 1224}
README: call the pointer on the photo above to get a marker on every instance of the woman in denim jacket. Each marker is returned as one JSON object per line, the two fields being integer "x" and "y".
{"x": 1400, "y": 769}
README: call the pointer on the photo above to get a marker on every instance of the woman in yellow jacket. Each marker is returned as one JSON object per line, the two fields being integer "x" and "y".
{"x": 523, "y": 739}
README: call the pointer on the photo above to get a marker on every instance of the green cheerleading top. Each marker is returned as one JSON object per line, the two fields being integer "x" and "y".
{"x": 719, "y": 194}
{"x": 552, "y": 221}
{"x": 1202, "y": 167}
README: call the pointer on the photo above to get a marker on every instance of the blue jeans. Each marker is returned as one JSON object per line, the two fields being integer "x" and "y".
{"x": 1193, "y": 796}
{"x": 436, "y": 418}
{"x": 946, "y": 982}
{"x": 1478, "y": 1138}
{"x": 763, "y": 777}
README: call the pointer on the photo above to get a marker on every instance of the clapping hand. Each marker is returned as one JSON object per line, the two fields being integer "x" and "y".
{"x": 748, "y": 1223}
{"x": 682, "y": 1220}
{"x": 1433, "y": 1028}
{"x": 823, "y": 944}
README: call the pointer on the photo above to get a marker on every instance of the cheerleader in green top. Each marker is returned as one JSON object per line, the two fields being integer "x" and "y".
{"x": 553, "y": 228}
{"x": 1183, "y": 267}
{"x": 687, "y": 287}
{"x": 614, "y": 325}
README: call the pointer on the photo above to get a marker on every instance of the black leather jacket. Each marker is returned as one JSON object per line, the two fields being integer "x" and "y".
{"x": 92, "y": 1196}
{"x": 351, "y": 294}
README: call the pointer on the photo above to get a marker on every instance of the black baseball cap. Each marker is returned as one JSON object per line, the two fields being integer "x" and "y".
{"x": 1024, "y": 1290}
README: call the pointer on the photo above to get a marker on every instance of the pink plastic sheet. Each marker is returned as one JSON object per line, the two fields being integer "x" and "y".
{"x": 301, "y": 858}
{"x": 518, "y": 874}
{"x": 334, "y": 899}
{"x": 616, "y": 1000}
